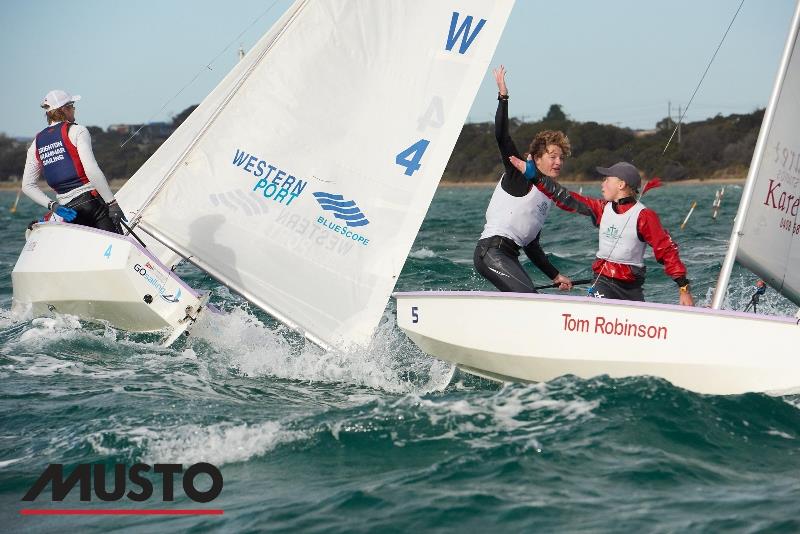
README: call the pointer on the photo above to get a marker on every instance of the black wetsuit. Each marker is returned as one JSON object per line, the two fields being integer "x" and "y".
{"x": 497, "y": 257}
{"x": 92, "y": 211}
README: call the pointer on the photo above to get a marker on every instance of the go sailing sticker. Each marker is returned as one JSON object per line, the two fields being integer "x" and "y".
{"x": 346, "y": 211}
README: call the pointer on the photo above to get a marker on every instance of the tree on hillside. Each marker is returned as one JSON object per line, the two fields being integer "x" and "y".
{"x": 666, "y": 125}
{"x": 178, "y": 119}
{"x": 555, "y": 113}
{"x": 12, "y": 157}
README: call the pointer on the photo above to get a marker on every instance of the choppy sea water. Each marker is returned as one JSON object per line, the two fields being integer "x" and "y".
{"x": 389, "y": 438}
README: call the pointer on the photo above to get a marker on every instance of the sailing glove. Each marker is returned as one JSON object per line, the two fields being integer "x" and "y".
{"x": 116, "y": 214}
{"x": 530, "y": 170}
{"x": 68, "y": 214}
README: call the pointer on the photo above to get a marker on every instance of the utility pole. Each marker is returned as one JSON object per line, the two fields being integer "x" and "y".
{"x": 680, "y": 122}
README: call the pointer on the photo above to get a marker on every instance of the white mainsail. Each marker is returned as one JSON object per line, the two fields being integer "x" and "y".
{"x": 302, "y": 180}
{"x": 766, "y": 235}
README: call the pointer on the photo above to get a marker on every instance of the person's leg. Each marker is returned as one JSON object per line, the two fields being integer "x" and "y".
{"x": 608, "y": 288}
{"x": 502, "y": 269}
{"x": 92, "y": 211}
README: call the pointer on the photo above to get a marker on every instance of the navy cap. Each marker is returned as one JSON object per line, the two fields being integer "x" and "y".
{"x": 625, "y": 172}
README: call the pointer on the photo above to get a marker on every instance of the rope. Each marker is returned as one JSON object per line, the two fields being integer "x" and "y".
{"x": 590, "y": 290}
{"x": 680, "y": 119}
{"x": 208, "y": 66}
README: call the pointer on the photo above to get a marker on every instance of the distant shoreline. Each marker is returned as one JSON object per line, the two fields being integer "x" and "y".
{"x": 690, "y": 181}
{"x": 116, "y": 184}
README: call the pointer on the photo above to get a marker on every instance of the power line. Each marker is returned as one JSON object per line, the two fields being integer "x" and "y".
{"x": 703, "y": 77}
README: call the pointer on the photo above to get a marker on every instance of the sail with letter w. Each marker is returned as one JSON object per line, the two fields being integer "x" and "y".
{"x": 302, "y": 179}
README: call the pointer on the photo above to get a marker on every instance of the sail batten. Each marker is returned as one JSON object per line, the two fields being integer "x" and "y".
{"x": 302, "y": 180}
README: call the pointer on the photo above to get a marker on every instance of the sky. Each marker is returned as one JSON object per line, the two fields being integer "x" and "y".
{"x": 612, "y": 61}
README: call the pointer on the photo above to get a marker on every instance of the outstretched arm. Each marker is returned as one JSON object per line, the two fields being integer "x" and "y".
{"x": 513, "y": 182}
{"x": 564, "y": 198}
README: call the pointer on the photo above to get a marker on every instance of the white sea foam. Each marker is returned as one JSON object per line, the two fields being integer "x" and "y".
{"x": 740, "y": 292}
{"x": 518, "y": 415}
{"x": 48, "y": 328}
{"x": 422, "y": 254}
{"x": 390, "y": 363}
{"x": 42, "y": 365}
{"x": 780, "y": 434}
{"x": 7, "y": 318}
{"x": 6, "y": 463}
{"x": 217, "y": 444}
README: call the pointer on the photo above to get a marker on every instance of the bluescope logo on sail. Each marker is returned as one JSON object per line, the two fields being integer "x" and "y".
{"x": 346, "y": 211}
{"x": 273, "y": 183}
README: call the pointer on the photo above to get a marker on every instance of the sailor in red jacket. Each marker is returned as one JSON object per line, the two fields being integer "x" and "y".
{"x": 625, "y": 226}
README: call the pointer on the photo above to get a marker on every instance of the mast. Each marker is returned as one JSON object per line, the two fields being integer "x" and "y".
{"x": 296, "y": 7}
{"x": 755, "y": 164}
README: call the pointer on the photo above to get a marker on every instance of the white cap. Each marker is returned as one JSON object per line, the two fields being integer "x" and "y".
{"x": 57, "y": 98}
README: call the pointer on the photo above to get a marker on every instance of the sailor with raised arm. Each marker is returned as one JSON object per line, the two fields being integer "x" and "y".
{"x": 62, "y": 153}
{"x": 517, "y": 210}
{"x": 625, "y": 227}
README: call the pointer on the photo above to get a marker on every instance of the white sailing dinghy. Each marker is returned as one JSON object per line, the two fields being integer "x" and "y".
{"x": 300, "y": 182}
{"x": 540, "y": 337}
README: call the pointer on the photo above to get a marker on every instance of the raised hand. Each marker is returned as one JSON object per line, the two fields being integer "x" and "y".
{"x": 500, "y": 78}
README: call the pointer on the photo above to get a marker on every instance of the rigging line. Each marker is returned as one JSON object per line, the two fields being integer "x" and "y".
{"x": 680, "y": 119}
{"x": 208, "y": 66}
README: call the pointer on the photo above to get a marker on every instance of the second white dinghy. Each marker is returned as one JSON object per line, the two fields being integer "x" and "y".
{"x": 537, "y": 337}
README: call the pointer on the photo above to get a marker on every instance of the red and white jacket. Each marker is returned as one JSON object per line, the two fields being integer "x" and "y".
{"x": 648, "y": 230}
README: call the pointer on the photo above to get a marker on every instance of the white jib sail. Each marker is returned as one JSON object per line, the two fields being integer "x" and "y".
{"x": 769, "y": 235}
{"x": 302, "y": 180}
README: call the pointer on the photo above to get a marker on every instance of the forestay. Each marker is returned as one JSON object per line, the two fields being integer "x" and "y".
{"x": 770, "y": 235}
{"x": 302, "y": 179}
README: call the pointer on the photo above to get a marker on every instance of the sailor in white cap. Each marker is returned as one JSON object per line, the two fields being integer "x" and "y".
{"x": 62, "y": 154}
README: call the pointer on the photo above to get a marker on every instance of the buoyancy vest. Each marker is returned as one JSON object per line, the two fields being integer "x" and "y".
{"x": 619, "y": 237}
{"x": 61, "y": 164}
{"x": 517, "y": 218}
